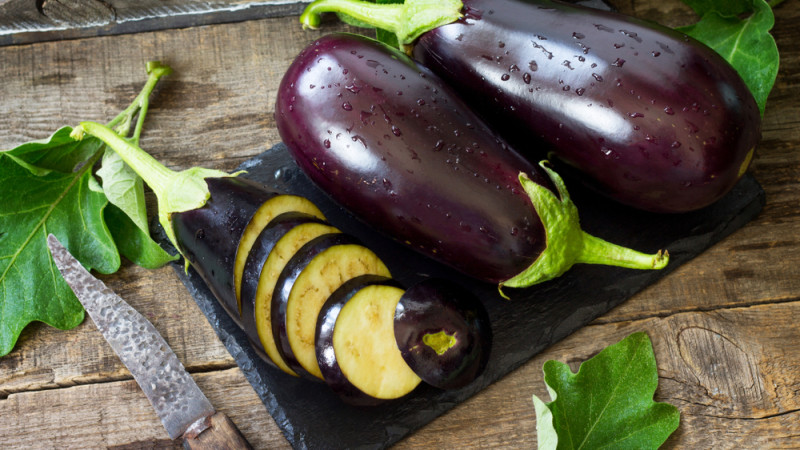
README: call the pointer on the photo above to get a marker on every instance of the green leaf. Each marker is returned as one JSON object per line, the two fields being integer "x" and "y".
{"x": 124, "y": 188}
{"x": 387, "y": 37}
{"x": 739, "y": 31}
{"x": 133, "y": 243}
{"x": 59, "y": 152}
{"x": 31, "y": 206}
{"x": 608, "y": 403}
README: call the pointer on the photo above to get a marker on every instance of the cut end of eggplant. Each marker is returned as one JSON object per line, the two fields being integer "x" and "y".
{"x": 443, "y": 333}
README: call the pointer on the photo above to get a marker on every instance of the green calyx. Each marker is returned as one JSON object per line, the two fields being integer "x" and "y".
{"x": 407, "y": 21}
{"x": 566, "y": 243}
{"x": 175, "y": 191}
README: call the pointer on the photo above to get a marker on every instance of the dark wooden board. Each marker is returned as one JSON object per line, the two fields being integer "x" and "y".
{"x": 312, "y": 416}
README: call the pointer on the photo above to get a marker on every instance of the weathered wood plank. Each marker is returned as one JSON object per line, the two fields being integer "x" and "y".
{"x": 74, "y": 418}
{"x": 732, "y": 373}
{"x": 27, "y": 21}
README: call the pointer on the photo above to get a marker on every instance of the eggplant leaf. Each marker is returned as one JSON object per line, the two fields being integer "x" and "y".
{"x": 124, "y": 188}
{"x": 34, "y": 203}
{"x": 58, "y": 153}
{"x": 387, "y": 37}
{"x": 739, "y": 31}
{"x": 135, "y": 243}
{"x": 608, "y": 403}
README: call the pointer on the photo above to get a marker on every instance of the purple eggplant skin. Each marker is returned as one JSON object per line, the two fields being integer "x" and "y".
{"x": 258, "y": 255}
{"x": 208, "y": 237}
{"x": 438, "y": 309}
{"x": 326, "y": 356}
{"x": 650, "y": 116}
{"x": 390, "y": 142}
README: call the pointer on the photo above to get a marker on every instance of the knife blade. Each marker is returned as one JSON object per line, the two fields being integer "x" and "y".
{"x": 182, "y": 407}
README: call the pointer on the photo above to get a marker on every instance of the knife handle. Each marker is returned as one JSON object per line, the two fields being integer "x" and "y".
{"x": 220, "y": 434}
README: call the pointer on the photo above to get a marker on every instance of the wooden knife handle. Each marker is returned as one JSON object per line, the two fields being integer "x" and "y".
{"x": 220, "y": 434}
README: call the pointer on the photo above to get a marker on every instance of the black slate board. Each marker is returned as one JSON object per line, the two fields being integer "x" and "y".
{"x": 311, "y": 415}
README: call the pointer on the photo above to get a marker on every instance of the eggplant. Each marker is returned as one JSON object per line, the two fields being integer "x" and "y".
{"x": 389, "y": 141}
{"x": 325, "y": 350}
{"x": 286, "y": 247}
{"x": 443, "y": 333}
{"x": 644, "y": 114}
{"x": 312, "y": 274}
{"x": 261, "y": 249}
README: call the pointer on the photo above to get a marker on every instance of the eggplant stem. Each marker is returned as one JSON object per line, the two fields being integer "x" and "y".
{"x": 407, "y": 20}
{"x": 567, "y": 243}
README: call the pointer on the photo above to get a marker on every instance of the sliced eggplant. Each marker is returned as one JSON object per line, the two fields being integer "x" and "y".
{"x": 208, "y": 237}
{"x": 308, "y": 279}
{"x": 283, "y": 251}
{"x": 443, "y": 332}
{"x": 266, "y": 212}
{"x": 326, "y": 355}
{"x": 365, "y": 346}
{"x": 263, "y": 245}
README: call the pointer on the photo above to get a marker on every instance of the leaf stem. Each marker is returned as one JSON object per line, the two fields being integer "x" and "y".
{"x": 155, "y": 174}
{"x": 122, "y": 122}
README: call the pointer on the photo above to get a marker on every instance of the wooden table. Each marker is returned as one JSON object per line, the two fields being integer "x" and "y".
{"x": 724, "y": 326}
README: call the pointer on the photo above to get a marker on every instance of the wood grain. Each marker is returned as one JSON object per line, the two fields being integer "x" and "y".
{"x": 724, "y": 326}
{"x": 28, "y": 21}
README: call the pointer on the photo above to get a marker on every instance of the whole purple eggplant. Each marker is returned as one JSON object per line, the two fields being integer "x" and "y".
{"x": 649, "y": 116}
{"x": 389, "y": 141}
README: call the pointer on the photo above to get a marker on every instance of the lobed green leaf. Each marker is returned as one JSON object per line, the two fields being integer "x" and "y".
{"x": 739, "y": 31}
{"x": 608, "y": 403}
{"x": 32, "y": 205}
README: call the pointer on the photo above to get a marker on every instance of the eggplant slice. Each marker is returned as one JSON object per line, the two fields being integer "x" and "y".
{"x": 365, "y": 345}
{"x": 262, "y": 247}
{"x": 262, "y": 217}
{"x": 286, "y": 247}
{"x": 326, "y": 355}
{"x": 309, "y": 278}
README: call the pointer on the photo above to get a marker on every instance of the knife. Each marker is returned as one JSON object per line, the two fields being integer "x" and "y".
{"x": 182, "y": 407}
